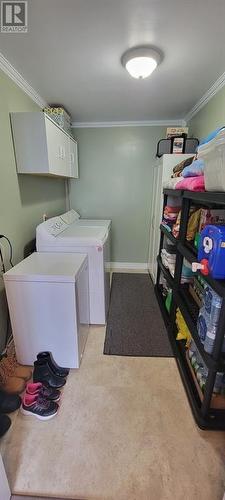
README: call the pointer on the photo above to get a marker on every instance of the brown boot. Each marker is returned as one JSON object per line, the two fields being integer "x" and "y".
{"x": 14, "y": 385}
{"x": 23, "y": 372}
{"x": 10, "y": 368}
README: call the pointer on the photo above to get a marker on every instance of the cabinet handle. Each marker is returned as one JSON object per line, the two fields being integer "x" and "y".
{"x": 62, "y": 153}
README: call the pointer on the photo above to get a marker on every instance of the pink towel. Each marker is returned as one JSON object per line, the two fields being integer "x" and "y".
{"x": 192, "y": 183}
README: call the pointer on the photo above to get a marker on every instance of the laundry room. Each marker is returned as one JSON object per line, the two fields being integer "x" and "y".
{"x": 112, "y": 250}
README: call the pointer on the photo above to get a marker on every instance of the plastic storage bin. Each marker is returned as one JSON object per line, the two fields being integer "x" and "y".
{"x": 60, "y": 116}
{"x": 213, "y": 154}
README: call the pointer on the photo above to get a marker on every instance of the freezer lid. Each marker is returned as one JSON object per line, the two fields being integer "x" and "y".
{"x": 48, "y": 267}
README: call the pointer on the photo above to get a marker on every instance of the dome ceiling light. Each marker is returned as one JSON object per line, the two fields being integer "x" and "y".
{"x": 140, "y": 62}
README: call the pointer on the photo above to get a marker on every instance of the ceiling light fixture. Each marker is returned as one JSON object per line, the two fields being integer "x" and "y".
{"x": 140, "y": 62}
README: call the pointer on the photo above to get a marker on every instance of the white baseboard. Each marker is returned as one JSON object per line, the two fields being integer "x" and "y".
{"x": 127, "y": 267}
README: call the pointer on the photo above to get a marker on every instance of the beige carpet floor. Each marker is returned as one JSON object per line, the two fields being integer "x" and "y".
{"x": 124, "y": 432}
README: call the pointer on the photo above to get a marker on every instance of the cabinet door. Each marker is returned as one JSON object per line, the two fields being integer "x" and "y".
{"x": 58, "y": 150}
{"x": 152, "y": 218}
{"x": 73, "y": 159}
{"x": 156, "y": 219}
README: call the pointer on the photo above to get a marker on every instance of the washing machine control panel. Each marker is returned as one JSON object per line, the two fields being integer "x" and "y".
{"x": 57, "y": 226}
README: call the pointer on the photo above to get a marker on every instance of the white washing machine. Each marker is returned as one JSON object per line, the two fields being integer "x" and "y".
{"x": 48, "y": 299}
{"x": 68, "y": 233}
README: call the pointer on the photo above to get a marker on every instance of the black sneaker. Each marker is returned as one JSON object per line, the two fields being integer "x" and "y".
{"x": 9, "y": 402}
{"x": 5, "y": 423}
{"x": 41, "y": 408}
{"x": 43, "y": 373}
{"x": 40, "y": 389}
{"x": 57, "y": 370}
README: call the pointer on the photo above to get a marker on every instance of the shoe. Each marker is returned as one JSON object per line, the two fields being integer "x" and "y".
{"x": 9, "y": 402}
{"x": 23, "y": 372}
{"x": 58, "y": 370}
{"x": 41, "y": 408}
{"x": 5, "y": 423}
{"x": 11, "y": 368}
{"x": 43, "y": 391}
{"x": 43, "y": 373}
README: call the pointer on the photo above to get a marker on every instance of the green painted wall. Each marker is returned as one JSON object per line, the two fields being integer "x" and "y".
{"x": 210, "y": 117}
{"x": 116, "y": 183}
{"x": 23, "y": 198}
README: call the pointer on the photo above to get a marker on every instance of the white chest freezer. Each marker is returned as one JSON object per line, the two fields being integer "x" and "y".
{"x": 67, "y": 233}
{"x": 48, "y": 302}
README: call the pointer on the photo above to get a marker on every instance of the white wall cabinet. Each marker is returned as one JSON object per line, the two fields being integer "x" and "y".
{"x": 42, "y": 147}
{"x": 162, "y": 171}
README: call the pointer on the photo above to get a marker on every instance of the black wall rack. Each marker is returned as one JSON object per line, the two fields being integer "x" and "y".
{"x": 205, "y": 412}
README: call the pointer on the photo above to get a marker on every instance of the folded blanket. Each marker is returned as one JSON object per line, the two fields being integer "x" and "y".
{"x": 192, "y": 183}
{"x": 170, "y": 217}
{"x": 171, "y": 183}
{"x": 195, "y": 169}
{"x": 193, "y": 223}
{"x": 168, "y": 209}
{"x": 169, "y": 246}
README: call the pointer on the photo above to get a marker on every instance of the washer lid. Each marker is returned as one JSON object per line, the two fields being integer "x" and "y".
{"x": 75, "y": 235}
{"x": 48, "y": 267}
{"x": 94, "y": 223}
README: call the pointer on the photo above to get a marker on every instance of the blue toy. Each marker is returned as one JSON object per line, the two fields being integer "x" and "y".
{"x": 211, "y": 253}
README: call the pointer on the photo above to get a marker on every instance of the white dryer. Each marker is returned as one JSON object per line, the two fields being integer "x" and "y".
{"x": 69, "y": 233}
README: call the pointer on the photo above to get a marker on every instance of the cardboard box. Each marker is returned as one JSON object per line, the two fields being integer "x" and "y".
{"x": 176, "y": 131}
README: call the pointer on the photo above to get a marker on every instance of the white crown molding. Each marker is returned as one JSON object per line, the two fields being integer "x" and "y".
{"x": 141, "y": 123}
{"x": 218, "y": 85}
{"x": 10, "y": 71}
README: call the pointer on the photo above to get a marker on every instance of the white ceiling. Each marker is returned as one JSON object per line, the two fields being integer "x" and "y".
{"x": 71, "y": 55}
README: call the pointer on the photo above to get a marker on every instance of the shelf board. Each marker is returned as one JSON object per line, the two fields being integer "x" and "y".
{"x": 165, "y": 272}
{"x": 206, "y": 197}
{"x": 191, "y": 324}
{"x": 217, "y": 285}
{"x": 168, "y": 234}
{"x": 173, "y": 192}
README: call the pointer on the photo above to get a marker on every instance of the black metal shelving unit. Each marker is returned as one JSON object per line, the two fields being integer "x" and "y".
{"x": 206, "y": 416}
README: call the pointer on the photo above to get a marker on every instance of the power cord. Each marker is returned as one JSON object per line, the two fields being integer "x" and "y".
{"x": 8, "y": 328}
{"x": 2, "y": 261}
{"x": 10, "y": 246}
